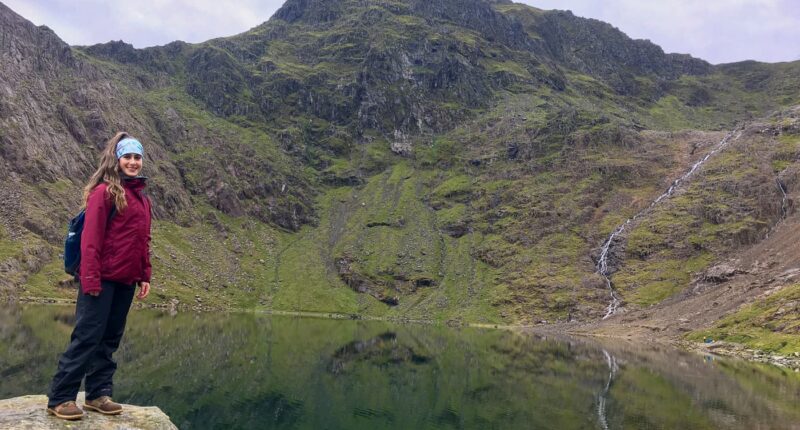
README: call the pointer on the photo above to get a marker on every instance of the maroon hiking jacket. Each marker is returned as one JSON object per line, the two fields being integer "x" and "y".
{"x": 119, "y": 251}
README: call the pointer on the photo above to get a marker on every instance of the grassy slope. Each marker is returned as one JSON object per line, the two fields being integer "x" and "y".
{"x": 392, "y": 239}
{"x": 769, "y": 324}
{"x": 527, "y": 257}
{"x": 733, "y": 201}
{"x": 532, "y": 220}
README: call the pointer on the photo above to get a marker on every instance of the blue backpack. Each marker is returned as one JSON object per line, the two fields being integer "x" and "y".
{"x": 72, "y": 244}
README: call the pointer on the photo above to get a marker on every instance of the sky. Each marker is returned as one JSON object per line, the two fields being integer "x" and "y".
{"x": 719, "y": 31}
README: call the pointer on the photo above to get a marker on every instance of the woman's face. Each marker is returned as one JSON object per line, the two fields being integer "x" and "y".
{"x": 130, "y": 164}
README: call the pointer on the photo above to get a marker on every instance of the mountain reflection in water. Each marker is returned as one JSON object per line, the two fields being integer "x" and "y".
{"x": 243, "y": 371}
{"x": 381, "y": 350}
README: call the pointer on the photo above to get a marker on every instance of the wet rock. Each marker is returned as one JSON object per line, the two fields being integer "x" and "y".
{"x": 29, "y": 412}
{"x": 401, "y": 144}
{"x": 391, "y": 301}
{"x": 69, "y": 283}
{"x": 212, "y": 219}
{"x": 424, "y": 283}
{"x": 362, "y": 284}
{"x": 214, "y": 77}
{"x": 456, "y": 230}
{"x": 398, "y": 223}
{"x": 350, "y": 180}
{"x": 790, "y": 274}
{"x": 73, "y": 124}
{"x": 721, "y": 273}
{"x": 224, "y": 198}
{"x": 171, "y": 127}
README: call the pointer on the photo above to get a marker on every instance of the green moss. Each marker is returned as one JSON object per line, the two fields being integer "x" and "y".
{"x": 468, "y": 38}
{"x": 22, "y": 251}
{"x": 511, "y": 67}
{"x": 786, "y": 152}
{"x": 769, "y": 324}
{"x": 45, "y": 282}
{"x": 302, "y": 279}
{"x": 454, "y": 186}
{"x": 780, "y": 165}
{"x": 648, "y": 282}
{"x": 340, "y": 168}
{"x": 452, "y": 215}
{"x": 8, "y": 246}
{"x": 440, "y": 153}
{"x": 642, "y": 242}
{"x": 58, "y": 187}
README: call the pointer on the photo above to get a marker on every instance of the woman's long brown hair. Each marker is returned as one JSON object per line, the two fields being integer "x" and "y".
{"x": 108, "y": 172}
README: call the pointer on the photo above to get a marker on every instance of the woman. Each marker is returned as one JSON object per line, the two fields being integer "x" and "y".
{"x": 115, "y": 257}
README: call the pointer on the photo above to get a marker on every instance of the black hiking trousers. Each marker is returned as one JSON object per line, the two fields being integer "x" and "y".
{"x": 100, "y": 322}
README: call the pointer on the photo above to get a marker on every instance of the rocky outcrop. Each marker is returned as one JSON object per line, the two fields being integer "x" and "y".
{"x": 721, "y": 273}
{"x": 29, "y": 412}
{"x": 599, "y": 49}
{"x": 159, "y": 60}
{"x": 31, "y": 49}
{"x": 221, "y": 82}
{"x": 361, "y": 284}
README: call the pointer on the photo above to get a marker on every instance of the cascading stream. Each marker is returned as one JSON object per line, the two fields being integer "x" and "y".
{"x": 785, "y": 197}
{"x": 602, "y": 261}
{"x": 602, "y": 416}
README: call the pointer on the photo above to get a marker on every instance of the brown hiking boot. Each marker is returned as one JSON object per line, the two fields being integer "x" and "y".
{"x": 67, "y": 411}
{"x": 104, "y": 405}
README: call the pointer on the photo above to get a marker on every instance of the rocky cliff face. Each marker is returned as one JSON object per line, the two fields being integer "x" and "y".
{"x": 452, "y": 159}
{"x": 60, "y": 105}
{"x": 59, "y": 109}
{"x": 598, "y": 49}
{"x": 413, "y": 67}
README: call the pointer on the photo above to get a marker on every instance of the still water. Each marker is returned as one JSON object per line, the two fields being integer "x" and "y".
{"x": 246, "y": 371}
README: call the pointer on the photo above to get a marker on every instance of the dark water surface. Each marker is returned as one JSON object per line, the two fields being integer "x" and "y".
{"x": 243, "y": 371}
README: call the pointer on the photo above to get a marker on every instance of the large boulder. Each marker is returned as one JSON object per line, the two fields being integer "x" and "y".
{"x": 29, "y": 412}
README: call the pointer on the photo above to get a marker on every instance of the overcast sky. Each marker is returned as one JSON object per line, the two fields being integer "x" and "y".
{"x": 719, "y": 31}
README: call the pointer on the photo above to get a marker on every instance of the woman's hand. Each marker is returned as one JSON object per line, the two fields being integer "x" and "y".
{"x": 145, "y": 290}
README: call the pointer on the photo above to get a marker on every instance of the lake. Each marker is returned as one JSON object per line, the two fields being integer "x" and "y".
{"x": 249, "y": 371}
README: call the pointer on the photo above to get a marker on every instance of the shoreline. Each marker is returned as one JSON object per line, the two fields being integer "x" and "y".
{"x": 579, "y": 330}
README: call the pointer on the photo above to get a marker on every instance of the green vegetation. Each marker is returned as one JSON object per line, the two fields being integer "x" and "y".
{"x": 453, "y": 188}
{"x": 418, "y": 162}
{"x": 8, "y": 247}
{"x": 731, "y": 202}
{"x": 769, "y": 324}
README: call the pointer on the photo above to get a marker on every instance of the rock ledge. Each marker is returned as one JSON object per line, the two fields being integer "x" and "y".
{"x": 29, "y": 412}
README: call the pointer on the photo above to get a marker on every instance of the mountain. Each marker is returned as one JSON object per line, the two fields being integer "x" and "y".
{"x": 453, "y": 160}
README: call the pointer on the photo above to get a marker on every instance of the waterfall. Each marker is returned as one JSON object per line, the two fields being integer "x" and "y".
{"x": 783, "y": 200}
{"x": 602, "y": 261}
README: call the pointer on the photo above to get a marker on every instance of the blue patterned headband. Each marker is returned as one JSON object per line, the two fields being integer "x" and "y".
{"x": 129, "y": 145}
